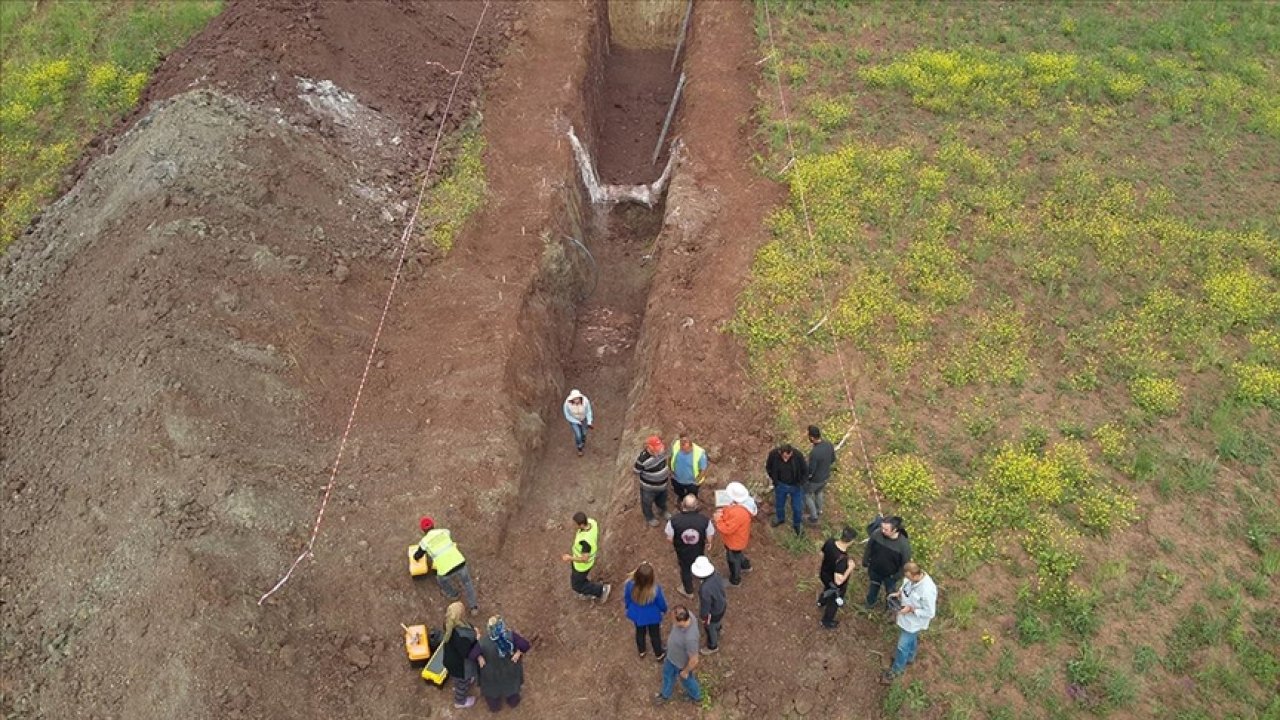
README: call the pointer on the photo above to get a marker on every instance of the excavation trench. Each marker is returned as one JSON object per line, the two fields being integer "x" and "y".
{"x": 626, "y": 102}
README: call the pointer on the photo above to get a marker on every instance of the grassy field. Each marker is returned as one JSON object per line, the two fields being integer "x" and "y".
{"x": 70, "y": 68}
{"x": 1044, "y": 242}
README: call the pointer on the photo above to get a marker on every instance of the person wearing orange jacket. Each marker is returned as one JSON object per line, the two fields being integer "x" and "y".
{"x": 733, "y": 522}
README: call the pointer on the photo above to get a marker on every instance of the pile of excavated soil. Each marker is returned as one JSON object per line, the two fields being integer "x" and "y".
{"x": 179, "y": 340}
{"x": 397, "y": 56}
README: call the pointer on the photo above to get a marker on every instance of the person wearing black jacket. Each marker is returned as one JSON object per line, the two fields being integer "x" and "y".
{"x": 688, "y": 531}
{"x": 459, "y": 639}
{"x": 888, "y": 550}
{"x": 787, "y": 469}
{"x": 834, "y": 575}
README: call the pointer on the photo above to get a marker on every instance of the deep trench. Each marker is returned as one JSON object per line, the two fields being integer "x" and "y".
{"x": 628, "y": 107}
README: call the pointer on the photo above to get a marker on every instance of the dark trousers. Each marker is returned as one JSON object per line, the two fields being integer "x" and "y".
{"x": 682, "y": 490}
{"x": 650, "y": 498}
{"x": 829, "y": 610}
{"x": 738, "y": 561}
{"x": 655, "y": 637}
{"x": 686, "y": 571}
{"x": 713, "y": 631}
{"x": 495, "y": 704}
{"x": 582, "y": 585}
{"x": 890, "y": 583}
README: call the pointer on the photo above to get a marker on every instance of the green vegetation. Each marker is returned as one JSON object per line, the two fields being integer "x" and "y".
{"x": 458, "y": 194}
{"x": 69, "y": 69}
{"x": 1043, "y": 242}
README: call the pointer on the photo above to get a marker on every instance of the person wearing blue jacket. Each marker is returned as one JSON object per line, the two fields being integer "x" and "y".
{"x": 577, "y": 410}
{"x": 646, "y": 606}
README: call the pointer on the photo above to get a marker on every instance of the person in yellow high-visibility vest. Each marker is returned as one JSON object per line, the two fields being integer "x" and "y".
{"x": 582, "y": 557}
{"x": 447, "y": 561}
{"x": 688, "y": 462}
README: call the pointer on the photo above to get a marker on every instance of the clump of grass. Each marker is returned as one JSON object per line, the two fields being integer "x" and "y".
{"x": 906, "y": 696}
{"x": 451, "y": 202}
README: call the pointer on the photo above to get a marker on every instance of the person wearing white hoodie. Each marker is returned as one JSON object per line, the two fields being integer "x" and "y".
{"x": 577, "y": 410}
{"x": 919, "y": 599}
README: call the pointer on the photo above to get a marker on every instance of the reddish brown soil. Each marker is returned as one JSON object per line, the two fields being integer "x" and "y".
{"x": 395, "y": 55}
{"x": 637, "y": 92}
{"x": 175, "y": 384}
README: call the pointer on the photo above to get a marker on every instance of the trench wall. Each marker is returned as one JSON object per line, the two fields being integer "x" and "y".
{"x": 646, "y": 24}
{"x": 533, "y": 376}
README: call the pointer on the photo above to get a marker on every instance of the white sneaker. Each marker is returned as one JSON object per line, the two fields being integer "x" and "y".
{"x": 604, "y": 595}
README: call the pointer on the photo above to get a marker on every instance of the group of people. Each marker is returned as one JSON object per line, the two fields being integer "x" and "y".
{"x": 491, "y": 657}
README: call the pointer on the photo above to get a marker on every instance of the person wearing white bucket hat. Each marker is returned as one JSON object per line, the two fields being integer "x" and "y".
{"x": 734, "y": 525}
{"x": 577, "y": 410}
{"x": 712, "y": 601}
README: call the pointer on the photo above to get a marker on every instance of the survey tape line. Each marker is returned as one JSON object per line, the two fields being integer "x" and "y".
{"x": 405, "y": 237}
{"x": 822, "y": 285}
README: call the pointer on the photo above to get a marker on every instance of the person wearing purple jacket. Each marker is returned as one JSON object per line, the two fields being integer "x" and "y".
{"x": 498, "y": 653}
{"x": 646, "y": 605}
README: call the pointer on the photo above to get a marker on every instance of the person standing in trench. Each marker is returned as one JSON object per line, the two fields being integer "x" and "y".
{"x": 577, "y": 410}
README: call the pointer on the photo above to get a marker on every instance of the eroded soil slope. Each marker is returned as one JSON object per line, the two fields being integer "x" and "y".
{"x": 180, "y": 338}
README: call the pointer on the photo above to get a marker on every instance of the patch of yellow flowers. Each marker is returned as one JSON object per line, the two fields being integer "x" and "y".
{"x": 906, "y": 479}
{"x": 1156, "y": 395}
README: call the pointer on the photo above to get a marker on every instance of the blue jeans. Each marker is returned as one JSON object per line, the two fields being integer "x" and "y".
{"x": 462, "y": 576}
{"x": 873, "y": 590}
{"x": 579, "y": 434}
{"x": 905, "y": 653}
{"x": 782, "y": 494}
{"x": 690, "y": 684}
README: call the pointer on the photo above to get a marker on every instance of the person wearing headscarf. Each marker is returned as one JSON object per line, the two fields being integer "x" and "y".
{"x": 577, "y": 410}
{"x": 459, "y": 640}
{"x": 498, "y": 654}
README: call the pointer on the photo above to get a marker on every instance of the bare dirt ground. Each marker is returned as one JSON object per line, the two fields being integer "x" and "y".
{"x": 182, "y": 334}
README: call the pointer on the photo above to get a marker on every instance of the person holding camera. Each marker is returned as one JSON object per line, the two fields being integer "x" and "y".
{"x": 834, "y": 574}
{"x": 917, "y": 603}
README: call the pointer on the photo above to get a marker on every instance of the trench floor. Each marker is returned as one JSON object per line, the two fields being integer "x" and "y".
{"x": 600, "y": 363}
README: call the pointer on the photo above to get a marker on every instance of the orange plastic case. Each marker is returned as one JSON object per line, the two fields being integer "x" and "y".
{"x": 416, "y": 643}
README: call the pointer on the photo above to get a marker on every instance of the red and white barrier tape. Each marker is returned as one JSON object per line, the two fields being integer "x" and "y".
{"x": 822, "y": 285}
{"x": 386, "y": 307}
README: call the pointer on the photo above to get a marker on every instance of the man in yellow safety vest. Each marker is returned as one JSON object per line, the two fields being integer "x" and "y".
{"x": 447, "y": 561}
{"x": 582, "y": 557}
{"x": 688, "y": 461}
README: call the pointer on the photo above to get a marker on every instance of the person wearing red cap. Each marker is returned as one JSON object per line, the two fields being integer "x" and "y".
{"x": 447, "y": 561}
{"x": 654, "y": 470}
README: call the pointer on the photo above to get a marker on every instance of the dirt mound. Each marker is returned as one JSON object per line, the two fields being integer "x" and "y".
{"x": 179, "y": 335}
{"x": 151, "y": 418}
{"x": 396, "y": 56}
